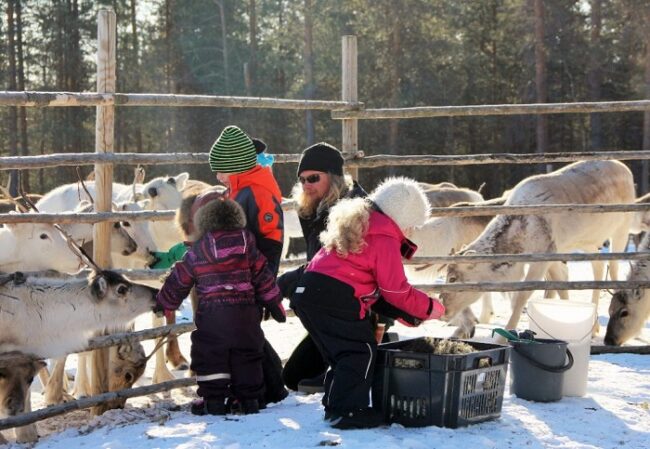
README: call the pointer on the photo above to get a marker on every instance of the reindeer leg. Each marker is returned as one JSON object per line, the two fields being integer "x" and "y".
{"x": 28, "y": 433}
{"x": 173, "y": 351}
{"x": 44, "y": 376}
{"x": 487, "y": 311}
{"x": 160, "y": 373}
{"x": 557, "y": 271}
{"x": 619, "y": 244}
{"x": 536, "y": 271}
{"x": 598, "y": 268}
{"x": 466, "y": 322}
{"x": 81, "y": 380}
{"x": 54, "y": 390}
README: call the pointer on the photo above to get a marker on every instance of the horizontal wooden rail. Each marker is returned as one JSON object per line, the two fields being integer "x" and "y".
{"x": 88, "y": 217}
{"x": 491, "y": 158}
{"x": 537, "y": 209}
{"x": 63, "y": 99}
{"x": 106, "y": 341}
{"x": 533, "y": 285}
{"x": 358, "y": 160}
{"x": 495, "y": 109}
{"x": 498, "y": 258}
{"x": 604, "y": 349}
{"x": 465, "y": 211}
{"x": 148, "y": 274}
{"x": 91, "y": 401}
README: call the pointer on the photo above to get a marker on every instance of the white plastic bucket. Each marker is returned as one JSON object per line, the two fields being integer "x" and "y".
{"x": 570, "y": 321}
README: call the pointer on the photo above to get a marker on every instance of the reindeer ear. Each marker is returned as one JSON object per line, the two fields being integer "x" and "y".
{"x": 38, "y": 365}
{"x": 123, "y": 351}
{"x": 99, "y": 287}
{"x": 181, "y": 180}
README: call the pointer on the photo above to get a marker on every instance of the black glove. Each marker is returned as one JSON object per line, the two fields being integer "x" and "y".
{"x": 287, "y": 281}
{"x": 383, "y": 307}
{"x": 159, "y": 310}
{"x": 276, "y": 310}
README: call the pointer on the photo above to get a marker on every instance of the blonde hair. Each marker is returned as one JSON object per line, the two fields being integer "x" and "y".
{"x": 347, "y": 226}
{"x": 339, "y": 186}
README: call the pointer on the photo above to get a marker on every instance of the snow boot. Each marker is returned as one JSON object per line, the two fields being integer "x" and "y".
{"x": 208, "y": 406}
{"x": 366, "y": 418}
{"x": 312, "y": 385}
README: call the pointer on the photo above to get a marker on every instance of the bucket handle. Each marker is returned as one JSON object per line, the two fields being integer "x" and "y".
{"x": 550, "y": 369}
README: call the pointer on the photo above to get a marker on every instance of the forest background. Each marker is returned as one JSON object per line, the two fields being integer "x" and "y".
{"x": 411, "y": 53}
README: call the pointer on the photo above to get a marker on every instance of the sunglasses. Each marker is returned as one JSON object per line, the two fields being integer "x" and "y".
{"x": 311, "y": 179}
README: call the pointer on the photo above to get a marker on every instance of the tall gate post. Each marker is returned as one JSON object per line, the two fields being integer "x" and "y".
{"x": 350, "y": 136}
{"x": 104, "y": 137}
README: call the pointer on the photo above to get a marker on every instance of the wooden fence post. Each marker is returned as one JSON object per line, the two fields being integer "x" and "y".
{"x": 349, "y": 86}
{"x": 104, "y": 136}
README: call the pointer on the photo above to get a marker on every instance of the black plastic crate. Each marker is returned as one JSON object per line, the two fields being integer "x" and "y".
{"x": 421, "y": 389}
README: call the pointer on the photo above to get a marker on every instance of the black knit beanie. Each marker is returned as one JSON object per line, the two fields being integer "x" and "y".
{"x": 259, "y": 144}
{"x": 321, "y": 157}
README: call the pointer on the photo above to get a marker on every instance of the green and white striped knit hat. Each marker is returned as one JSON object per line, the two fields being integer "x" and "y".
{"x": 232, "y": 152}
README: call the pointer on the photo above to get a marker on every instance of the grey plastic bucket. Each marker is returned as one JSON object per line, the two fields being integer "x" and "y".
{"x": 538, "y": 369}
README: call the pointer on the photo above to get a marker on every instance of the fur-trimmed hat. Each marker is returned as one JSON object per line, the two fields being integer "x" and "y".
{"x": 220, "y": 215}
{"x": 321, "y": 157}
{"x": 403, "y": 200}
{"x": 190, "y": 205}
{"x": 232, "y": 152}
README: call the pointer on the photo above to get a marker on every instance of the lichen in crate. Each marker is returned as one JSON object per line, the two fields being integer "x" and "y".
{"x": 429, "y": 345}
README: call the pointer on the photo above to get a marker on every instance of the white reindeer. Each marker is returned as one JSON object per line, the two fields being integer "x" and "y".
{"x": 121, "y": 242}
{"x": 45, "y": 315}
{"x": 590, "y": 182}
{"x": 33, "y": 247}
{"x": 166, "y": 193}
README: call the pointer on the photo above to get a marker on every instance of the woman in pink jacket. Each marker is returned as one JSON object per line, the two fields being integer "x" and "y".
{"x": 360, "y": 261}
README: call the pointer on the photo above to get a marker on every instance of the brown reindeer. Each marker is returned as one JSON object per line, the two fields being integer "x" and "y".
{"x": 15, "y": 380}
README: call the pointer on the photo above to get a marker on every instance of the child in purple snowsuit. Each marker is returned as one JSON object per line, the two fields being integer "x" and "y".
{"x": 232, "y": 282}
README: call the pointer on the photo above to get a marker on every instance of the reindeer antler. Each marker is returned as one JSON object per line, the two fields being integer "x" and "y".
{"x": 83, "y": 185}
{"x": 138, "y": 178}
{"x": 5, "y": 191}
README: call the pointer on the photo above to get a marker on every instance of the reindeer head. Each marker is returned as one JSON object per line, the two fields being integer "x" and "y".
{"x": 126, "y": 367}
{"x": 120, "y": 298}
{"x": 628, "y": 312}
{"x": 164, "y": 193}
{"x": 457, "y": 301}
{"x": 40, "y": 247}
{"x": 15, "y": 381}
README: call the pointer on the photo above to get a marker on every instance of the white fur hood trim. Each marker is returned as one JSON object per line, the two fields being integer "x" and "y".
{"x": 403, "y": 200}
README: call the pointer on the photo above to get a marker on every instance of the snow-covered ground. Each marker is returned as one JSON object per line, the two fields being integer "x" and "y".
{"x": 614, "y": 413}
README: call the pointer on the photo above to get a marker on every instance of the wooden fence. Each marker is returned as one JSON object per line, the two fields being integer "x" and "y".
{"x": 349, "y": 110}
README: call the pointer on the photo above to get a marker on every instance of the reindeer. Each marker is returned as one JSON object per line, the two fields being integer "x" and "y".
{"x": 587, "y": 182}
{"x": 121, "y": 242}
{"x": 444, "y": 197}
{"x": 45, "y": 315}
{"x": 166, "y": 193}
{"x": 441, "y": 236}
{"x": 15, "y": 397}
{"x": 35, "y": 246}
{"x": 630, "y": 309}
